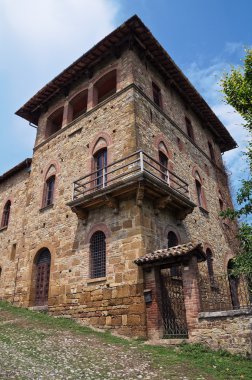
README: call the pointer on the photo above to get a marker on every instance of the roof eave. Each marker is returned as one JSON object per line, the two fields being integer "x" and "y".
{"x": 16, "y": 169}
{"x": 132, "y": 27}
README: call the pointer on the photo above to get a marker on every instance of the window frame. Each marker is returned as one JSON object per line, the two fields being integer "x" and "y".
{"x": 211, "y": 152}
{"x": 82, "y": 95}
{"x": 98, "y": 85}
{"x": 98, "y": 264}
{"x": 51, "y": 128}
{"x": 199, "y": 189}
{"x": 6, "y": 214}
{"x": 48, "y": 191}
{"x": 163, "y": 162}
{"x": 157, "y": 95}
{"x": 189, "y": 128}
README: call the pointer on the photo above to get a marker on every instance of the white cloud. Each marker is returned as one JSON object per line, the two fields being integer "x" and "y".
{"x": 48, "y": 24}
{"x": 38, "y": 39}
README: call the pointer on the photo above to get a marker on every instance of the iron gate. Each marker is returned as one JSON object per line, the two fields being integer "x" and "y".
{"x": 173, "y": 306}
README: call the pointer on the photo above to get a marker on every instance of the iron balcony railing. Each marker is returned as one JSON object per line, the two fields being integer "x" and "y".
{"x": 124, "y": 169}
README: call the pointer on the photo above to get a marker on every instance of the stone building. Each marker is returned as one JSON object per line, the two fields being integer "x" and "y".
{"x": 122, "y": 195}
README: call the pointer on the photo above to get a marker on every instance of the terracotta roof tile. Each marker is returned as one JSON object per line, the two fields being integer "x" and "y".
{"x": 179, "y": 250}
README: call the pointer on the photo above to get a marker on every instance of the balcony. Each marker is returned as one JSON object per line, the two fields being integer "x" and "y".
{"x": 138, "y": 174}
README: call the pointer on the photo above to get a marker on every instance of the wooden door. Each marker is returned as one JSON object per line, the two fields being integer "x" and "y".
{"x": 42, "y": 278}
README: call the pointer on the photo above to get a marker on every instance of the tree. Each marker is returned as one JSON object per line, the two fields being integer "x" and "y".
{"x": 237, "y": 89}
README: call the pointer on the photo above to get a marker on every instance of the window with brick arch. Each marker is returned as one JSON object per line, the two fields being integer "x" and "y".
{"x": 79, "y": 104}
{"x": 172, "y": 239}
{"x": 100, "y": 167}
{"x": 163, "y": 160}
{"x": 54, "y": 122}
{"x": 105, "y": 87}
{"x": 6, "y": 214}
{"x": 98, "y": 255}
{"x": 49, "y": 191}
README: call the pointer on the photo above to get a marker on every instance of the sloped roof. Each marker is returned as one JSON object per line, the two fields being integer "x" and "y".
{"x": 169, "y": 253}
{"x": 132, "y": 31}
{"x": 22, "y": 165}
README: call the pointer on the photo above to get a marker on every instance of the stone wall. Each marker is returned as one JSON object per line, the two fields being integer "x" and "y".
{"x": 227, "y": 330}
{"x": 12, "y": 237}
{"x": 127, "y": 121}
{"x": 186, "y": 156}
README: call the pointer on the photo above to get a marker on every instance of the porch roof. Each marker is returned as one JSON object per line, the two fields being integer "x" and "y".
{"x": 169, "y": 254}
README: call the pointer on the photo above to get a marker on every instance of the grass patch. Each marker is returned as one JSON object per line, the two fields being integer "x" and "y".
{"x": 220, "y": 365}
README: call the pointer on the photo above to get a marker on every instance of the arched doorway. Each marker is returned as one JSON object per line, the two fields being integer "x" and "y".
{"x": 42, "y": 277}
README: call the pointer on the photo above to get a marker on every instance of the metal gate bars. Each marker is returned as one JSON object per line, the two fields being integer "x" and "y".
{"x": 173, "y": 306}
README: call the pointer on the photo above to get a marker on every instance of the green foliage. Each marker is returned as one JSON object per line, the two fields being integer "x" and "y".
{"x": 237, "y": 88}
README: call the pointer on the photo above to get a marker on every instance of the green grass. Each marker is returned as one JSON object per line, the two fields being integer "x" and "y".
{"x": 220, "y": 365}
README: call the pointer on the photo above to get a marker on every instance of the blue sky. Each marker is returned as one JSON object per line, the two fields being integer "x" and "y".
{"x": 38, "y": 39}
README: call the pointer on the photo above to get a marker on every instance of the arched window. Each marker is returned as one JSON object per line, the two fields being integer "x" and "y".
{"x": 209, "y": 260}
{"x": 211, "y": 151}
{"x": 98, "y": 255}
{"x": 54, "y": 122}
{"x": 163, "y": 160}
{"x": 105, "y": 87}
{"x": 79, "y": 104}
{"x": 0, "y": 272}
{"x": 172, "y": 239}
{"x": 6, "y": 214}
{"x": 42, "y": 277}
{"x": 49, "y": 191}
{"x": 199, "y": 189}
{"x": 49, "y": 185}
{"x": 100, "y": 168}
